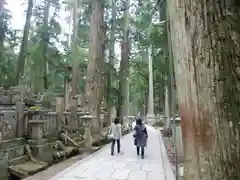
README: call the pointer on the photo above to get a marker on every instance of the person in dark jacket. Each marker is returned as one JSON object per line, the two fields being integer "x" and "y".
{"x": 140, "y": 136}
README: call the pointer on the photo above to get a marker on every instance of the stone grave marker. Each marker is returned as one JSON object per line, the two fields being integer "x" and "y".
{"x": 3, "y": 165}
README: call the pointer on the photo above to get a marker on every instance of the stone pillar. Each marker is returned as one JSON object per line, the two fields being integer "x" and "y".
{"x": 20, "y": 110}
{"x": 37, "y": 132}
{"x": 150, "y": 113}
{"x": 167, "y": 113}
{"x": 73, "y": 112}
{"x": 3, "y": 165}
{"x": 37, "y": 143}
{"x": 3, "y": 129}
{"x": 79, "y": 102}
{"x": 166, "y": 108}
{"x": 179, "y": 141}
{"x": 66, "y": 93}
{"x": 59, "y": 110}
{"x": 113, "y": 112}
{"x": 87, "y": 123}
{"x": 88, "y": 137}
{"x": 101, "y": 116}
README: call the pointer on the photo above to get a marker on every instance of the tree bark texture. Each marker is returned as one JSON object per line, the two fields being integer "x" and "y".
{"x": 96, "y": 60}
{"x": 75, "y": 64}
{"x": 2, "y": 31}
{"x": 124, "y": 63}
{"x": 206, "y": 45}
{"x": 2, "y": 27}
{"x": 74, "y": 45}
{"x": 113, "y": 31}
{"x": 45, "y": 41}
{"x": 111, "y": 58}
{"x": 23, "y": 48}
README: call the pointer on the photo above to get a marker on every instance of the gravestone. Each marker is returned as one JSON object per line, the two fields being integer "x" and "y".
{"x": 87, "y": 123}
{"x": 20, "y": 109}
{"x": 113, "y": 113}
{"x": 8, "y": 124}
{"x": 3, "y": 165}
{"x": 6, "y": 96}
{"x": 59, "y": 110}
{"x": 37, "y": 142}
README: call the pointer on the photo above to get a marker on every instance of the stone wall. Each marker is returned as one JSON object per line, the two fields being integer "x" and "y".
{"x": 8, "y": 124}
{"x": 3, "y": 165}
{"x": 10, "y": 149}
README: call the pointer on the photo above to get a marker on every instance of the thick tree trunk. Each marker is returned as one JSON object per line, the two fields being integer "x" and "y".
{"x": 45, "y": 40}
{"x": 205, "y": 40}
{"x": 124, "y": 63}
{"x": 111, "y": 58}
{"x": 113, "y": 31}
{"x": 2, "y": 32}
{"x": 73, "y": 49}
{"x": 150, "y": 112}
{"x": 24, "y": 43}
{"x": 2, "y": 27}
{"x": 75, "y": 63}
{"x": 96, "y": 59}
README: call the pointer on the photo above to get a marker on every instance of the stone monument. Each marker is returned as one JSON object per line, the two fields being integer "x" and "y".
{"x": 37, "y": 142}
{"x": 87, "y": 124}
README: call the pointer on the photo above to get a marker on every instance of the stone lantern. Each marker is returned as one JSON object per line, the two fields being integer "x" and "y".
{"x": 87, "y": 124}
{"x": 37, "y": 129}
{"x": 36, "y": 141}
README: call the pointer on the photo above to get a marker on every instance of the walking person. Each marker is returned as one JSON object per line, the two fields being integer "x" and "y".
{"x": 140, "y": 136}
{"x": 116, "y": 134}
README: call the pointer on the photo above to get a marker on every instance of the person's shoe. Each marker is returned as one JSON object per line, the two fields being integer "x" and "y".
{"x": 142, "y": 157}
{"x": 112, "y": 154}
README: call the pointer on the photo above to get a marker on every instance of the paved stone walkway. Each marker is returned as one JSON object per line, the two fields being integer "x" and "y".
{"x": 127, "y": 166}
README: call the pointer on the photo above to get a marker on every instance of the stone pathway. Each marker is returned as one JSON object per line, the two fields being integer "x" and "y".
{"x": 127, "y": 166}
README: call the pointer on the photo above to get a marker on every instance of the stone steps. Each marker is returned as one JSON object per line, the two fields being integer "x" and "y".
{"x": 19, "y": 160}
{"x": 27, "y": 168}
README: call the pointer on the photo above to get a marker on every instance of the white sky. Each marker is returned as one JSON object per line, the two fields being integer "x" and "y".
{"x": 18, "y": 8}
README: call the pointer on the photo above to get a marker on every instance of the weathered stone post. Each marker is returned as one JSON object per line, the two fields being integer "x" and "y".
{"x": 87, "y": 123}
{"x": 3, "y": 165}
{"x": 37, "y": 142}
{"x": 73, "y": 111}
{"x": 3, "y": 129}
{"x": 20, "y": 110}
{"x": 59, "y": 110}
{"x": 113, "y": 113}
{"x": 179, "y": 142}
{"x": 66, "y": 93}
{"x": 101, "y": 116}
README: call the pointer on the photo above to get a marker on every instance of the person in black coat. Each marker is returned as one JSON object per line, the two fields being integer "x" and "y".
{"x": 140, "y": 136}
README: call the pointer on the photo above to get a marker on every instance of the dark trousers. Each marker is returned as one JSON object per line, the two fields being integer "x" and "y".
{"x": 113, "y": 144}
{"x": 142, "y": 150}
